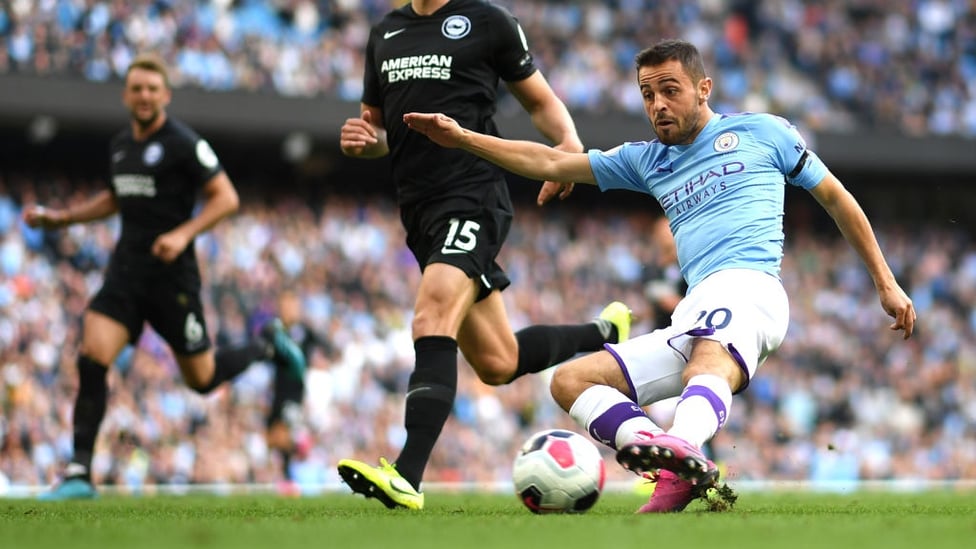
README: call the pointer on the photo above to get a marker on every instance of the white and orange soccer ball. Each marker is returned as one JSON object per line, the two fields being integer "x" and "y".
{"x": 558, "y": 471}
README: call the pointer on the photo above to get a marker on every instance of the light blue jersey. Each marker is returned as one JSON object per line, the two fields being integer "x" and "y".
{"x": 723, "y": 194}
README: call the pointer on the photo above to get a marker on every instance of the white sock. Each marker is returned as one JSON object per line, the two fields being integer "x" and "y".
{"x": 610, "y": 417}
{"x": 703, "y": 409}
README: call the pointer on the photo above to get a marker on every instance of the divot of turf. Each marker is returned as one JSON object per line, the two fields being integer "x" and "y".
{"x": 719, "y": 499}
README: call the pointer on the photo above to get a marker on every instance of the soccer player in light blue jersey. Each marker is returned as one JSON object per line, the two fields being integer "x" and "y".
{"x": 721, "y": 180}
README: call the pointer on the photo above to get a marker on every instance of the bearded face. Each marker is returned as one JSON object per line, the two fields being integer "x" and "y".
{"x": 672, "y": 102}
{"x": 146, "y": 96}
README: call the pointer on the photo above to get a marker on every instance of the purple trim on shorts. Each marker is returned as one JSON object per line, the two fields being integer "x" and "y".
{"x": 717, "y": 405}
{"x": 623, "y": 368}
{"x": 694, "y": 332}
{"x": 675, "y": 349}
{"x": 604, "y": 428}
{"x": 742, "y": 364}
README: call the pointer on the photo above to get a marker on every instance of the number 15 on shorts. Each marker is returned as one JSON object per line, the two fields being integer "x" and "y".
{"x": 462, "y": 237}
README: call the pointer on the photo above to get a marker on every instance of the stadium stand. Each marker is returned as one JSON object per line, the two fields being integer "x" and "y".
{"x": 839, "y": 401}
{"x": 899, "y": 66}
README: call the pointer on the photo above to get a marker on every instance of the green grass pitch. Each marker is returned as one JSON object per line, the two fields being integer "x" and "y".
{"x": 861, "y": 520}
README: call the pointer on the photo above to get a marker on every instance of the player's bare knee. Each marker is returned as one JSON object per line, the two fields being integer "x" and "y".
{"x": 99, "y": 353}
{"x": 420, "y": 327}
{"x": 494, "y": 367}
{"x": 495, "y": 372}
{"x": 101, "y": 358}
{"x": 427, "y": 324}
{"x": 565, "y": 387}
{"x": 198, "y": 380}
{"x": 197, "y": 385}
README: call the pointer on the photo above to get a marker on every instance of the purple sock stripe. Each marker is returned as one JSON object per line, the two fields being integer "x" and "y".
{"x": 623, "y": 368}
{"x": 742, "y": 364}
{"x": 604, "y": 428}
{"x": 717, "y": 405}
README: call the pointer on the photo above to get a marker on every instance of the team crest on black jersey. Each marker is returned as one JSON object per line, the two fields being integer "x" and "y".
{"x": 456, "y": 27}
{"x": 153, "y": 154}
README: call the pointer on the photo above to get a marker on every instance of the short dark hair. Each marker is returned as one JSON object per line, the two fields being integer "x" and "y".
{"x": 674, "y": 50}
{"x": 149, "y": 62}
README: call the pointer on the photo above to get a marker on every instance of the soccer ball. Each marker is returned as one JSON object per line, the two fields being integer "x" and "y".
{"x": 558, "y": 471}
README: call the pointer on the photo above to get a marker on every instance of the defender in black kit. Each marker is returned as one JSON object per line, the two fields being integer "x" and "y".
{"x": 450, "y": 56}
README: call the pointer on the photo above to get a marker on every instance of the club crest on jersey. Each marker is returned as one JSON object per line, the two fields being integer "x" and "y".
{"x": 456, "y": 27}
{"x": 726, "y": 142}
{"x": 153, "y": 154}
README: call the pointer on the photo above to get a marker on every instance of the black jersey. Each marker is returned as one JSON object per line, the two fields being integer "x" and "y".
{"x": 156, "y": 183}
{"x": 308, "y": 339}
{"x": 449, "y": 62}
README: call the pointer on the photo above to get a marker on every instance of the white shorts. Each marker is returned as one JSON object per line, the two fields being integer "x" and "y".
{"x": 745, "y": 310}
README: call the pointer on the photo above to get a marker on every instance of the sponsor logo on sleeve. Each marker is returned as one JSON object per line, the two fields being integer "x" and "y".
{"x": 206, "y": 155}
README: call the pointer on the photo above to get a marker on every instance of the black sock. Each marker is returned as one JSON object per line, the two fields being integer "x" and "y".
{"x": 430, "y": 398}
{"x": 89, "y": 410}
{"x": 286, "y": 464}
{"x": 231, "y": 362}
{"x": 543, "y": 346}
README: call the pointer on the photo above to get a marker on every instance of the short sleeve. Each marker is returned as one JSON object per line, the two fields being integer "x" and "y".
{"x": 510, "y": 48}
{"x": 203, "y": 163}
{"x": 618, "y": 168}
{"x": 371, "y": 80}
{"x": 799, "y": 165}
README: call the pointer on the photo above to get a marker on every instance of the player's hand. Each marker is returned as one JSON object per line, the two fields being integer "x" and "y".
{"x": 169, "y": 246}
{"x": 552, "y": 189}
{"x": 45, "y": 218}
{"x": 359, "y": 137}
{"x": 439, "y": 128}
{"x": 899, "y": 306}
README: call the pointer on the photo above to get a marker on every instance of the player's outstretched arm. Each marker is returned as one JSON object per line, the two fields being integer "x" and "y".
{"x": 854, "y": 225}
{"x": 525, "y": 158}
{"x": 99, "y": 206}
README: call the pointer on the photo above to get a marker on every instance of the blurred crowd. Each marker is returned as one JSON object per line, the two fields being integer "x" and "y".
{"x": 843, "y": 399}
{"x": 890, "y": 65}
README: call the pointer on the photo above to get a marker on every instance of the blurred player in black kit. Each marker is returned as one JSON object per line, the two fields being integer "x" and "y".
{"x": 283, "y": 433}
{"x": 159, "y": 167}
{"x": 449, "y": 56}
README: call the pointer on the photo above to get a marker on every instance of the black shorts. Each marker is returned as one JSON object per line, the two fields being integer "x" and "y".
{"x": 169, "y": 303}
{"x": 464, "y": 231}
{"x": 287, "y": 401}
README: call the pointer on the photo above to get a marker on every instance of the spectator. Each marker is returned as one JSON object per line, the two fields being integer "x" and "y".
{"x": 904, "y": 66}
{"x": 356, "y": 390}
